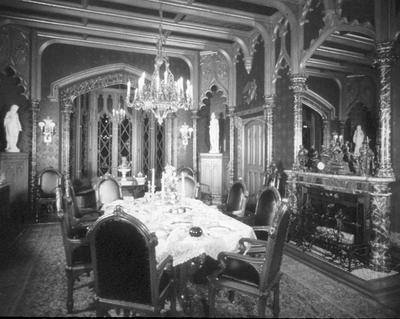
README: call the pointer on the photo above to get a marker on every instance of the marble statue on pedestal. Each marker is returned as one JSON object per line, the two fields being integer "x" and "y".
{"x": 12, "y": 127}
{"x": 214, "y": 134}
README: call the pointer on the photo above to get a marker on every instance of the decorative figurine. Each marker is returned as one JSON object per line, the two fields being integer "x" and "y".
{"x": 214, "y": 134}
{"x": 12, "y": 126}
{"x": 358, "y": 139}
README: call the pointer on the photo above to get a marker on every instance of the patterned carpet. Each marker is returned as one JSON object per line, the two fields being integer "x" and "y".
{"x": 33, "y": 283}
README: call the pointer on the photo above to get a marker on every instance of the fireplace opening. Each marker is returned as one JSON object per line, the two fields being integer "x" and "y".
{"x": 334, "y": 225}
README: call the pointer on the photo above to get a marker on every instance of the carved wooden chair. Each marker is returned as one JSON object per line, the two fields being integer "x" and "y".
{"x": 186, "y": 171}
{"x": 126, "y": 273}
{"x": 266, "y": 207}
{"x": 80, "y": 215}
{"x": 191, "y": 186}
{"x": 76, "y": 246}
{"x": 107, "y": 190}
{"x": 48, "y": 180}
{"x": 255, "y": 272}
{"x": 236, "y": 201}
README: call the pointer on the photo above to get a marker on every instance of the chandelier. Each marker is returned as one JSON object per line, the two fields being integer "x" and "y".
{"x": 119, "y": 113}
{"x": 160, "y": 96}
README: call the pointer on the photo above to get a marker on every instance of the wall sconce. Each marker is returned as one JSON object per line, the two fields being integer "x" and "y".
{"x": 47, "y": 126}
{"x": 186, "y": 134}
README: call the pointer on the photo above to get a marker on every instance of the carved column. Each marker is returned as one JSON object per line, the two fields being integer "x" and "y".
{"x": 383, "y": 62}
{"x": 268, "y": 118}
{"x": 326, "y": 131}
{"x": 231, "y": 173}
{"x": 380, "y": 258}
{"x": 298, "y": 85}
{"x": 194, "y": 141}
{"x": 66, "y": 128}
{"x": 35, "y": 111}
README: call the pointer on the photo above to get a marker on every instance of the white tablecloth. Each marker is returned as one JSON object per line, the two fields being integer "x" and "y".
{"x": 171, "y": 225}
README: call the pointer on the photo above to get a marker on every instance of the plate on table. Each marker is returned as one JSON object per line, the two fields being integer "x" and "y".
{"x": 217, "y": 229}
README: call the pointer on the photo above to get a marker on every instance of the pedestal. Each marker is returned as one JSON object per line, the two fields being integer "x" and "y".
{"x": 212, "y": 173}
{"x": 15, "y": 168}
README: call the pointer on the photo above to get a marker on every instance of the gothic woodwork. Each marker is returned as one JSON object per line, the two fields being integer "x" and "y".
{"x": 298, "y": 86}
{"x": 15, "y": 52}
{"x": 251, "y": 152}
{"x": 15, "y": 168}
{"x": 5, "y": 205}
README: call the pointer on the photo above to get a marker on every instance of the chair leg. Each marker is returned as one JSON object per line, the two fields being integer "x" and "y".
{"x": 211, "y": 300}
{"x": 275, "y": 306}
{"x": 70, "y": 290}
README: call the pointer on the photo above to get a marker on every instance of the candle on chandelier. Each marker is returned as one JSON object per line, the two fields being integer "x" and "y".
{"x": 183, "y": 184}
{"x": 188, "y": 89}
{"x": 153, "y": 177}
{"x": 128, "y": 91}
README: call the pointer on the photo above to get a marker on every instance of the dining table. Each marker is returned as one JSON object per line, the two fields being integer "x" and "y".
{"x": 185, "y": 228}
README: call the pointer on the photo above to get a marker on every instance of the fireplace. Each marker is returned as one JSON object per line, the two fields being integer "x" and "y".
{"x": 334, "y": 224}
{"x": 343, "y": 219}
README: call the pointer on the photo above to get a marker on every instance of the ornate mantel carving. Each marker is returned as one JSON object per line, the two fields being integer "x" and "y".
{"x": 376, "y": 190}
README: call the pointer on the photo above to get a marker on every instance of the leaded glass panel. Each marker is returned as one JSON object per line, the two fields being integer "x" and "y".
{"x": 104, "y": 157}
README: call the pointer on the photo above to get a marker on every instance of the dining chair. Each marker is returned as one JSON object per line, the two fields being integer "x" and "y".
{"x": 80, "y": 215}
{"x": 186, "y": 171}
{"x": 48, "y": 179}
{"x": 235, "y": 205}
{"x": 76, "y": 246}
{"x": 107, "y": 190}
{"x": 266, "y": 207}
{"x": 190, "y": 185}
{"x": 255, "y": 272}
{"x": 126, "y": 273}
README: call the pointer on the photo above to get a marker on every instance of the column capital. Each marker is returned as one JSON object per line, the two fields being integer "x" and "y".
{"x": 384, "y": 52}
{"x": 67, "y": 108}
{"x": 195, "y": 115}
{"x": 269, "y": 100}
{"x": 298, "y": 82}
{"x": 35, "y": 105}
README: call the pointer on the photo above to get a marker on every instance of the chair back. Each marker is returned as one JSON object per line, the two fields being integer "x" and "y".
{"x": 191, "y": 186}
{"x": 48, "y": 180}
{"x": 123, "y": 255}
{"x": 237, "y": 197}
{"x": 275, "y": 244}
{"x": 267, "y": 204}
{"x": 186, "y": 171}
{"x": 107, "y": 190}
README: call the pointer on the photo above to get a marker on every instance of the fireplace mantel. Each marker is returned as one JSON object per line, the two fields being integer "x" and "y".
{"x": 375, "y": 190}
{"x": 344, "y": 183}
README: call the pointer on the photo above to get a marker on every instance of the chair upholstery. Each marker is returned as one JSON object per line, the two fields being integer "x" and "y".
{"x": 186, "y": 171}
{"x": 80, "y": 215}
{"x": 107, "y": 190}
{"x": 48, "y": 180}
{"x": 254, "y": 271}
{"x": 267, "y": 204}
{"x": 76, "y": 246}
{"x": 126, "y": 273}
{"x": 237, "y": 199}
{"x": 191, "y": 186}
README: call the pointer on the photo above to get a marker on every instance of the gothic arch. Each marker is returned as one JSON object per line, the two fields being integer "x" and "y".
{"x": 220, "y": 88}
{"x": 71, "y": 86}
{"x": 319, "y": 105}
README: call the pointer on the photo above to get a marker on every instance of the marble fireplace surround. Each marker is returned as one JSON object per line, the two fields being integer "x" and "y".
{"x": 381, "y": 282}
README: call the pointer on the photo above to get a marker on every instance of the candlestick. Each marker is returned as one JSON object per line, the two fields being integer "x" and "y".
{"x": 183, "y": 184}
{"x": 153, "y": 177}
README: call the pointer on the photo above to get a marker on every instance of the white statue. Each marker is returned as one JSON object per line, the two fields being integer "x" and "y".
{"x": 12, "y": 126}
{"x": 214, "y": 134}
{"x": 358, "y": 139}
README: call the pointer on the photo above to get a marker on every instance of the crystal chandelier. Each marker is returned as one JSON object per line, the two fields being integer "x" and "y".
{"x": 119, "y": 113}
{"x": 160, "y": 96}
